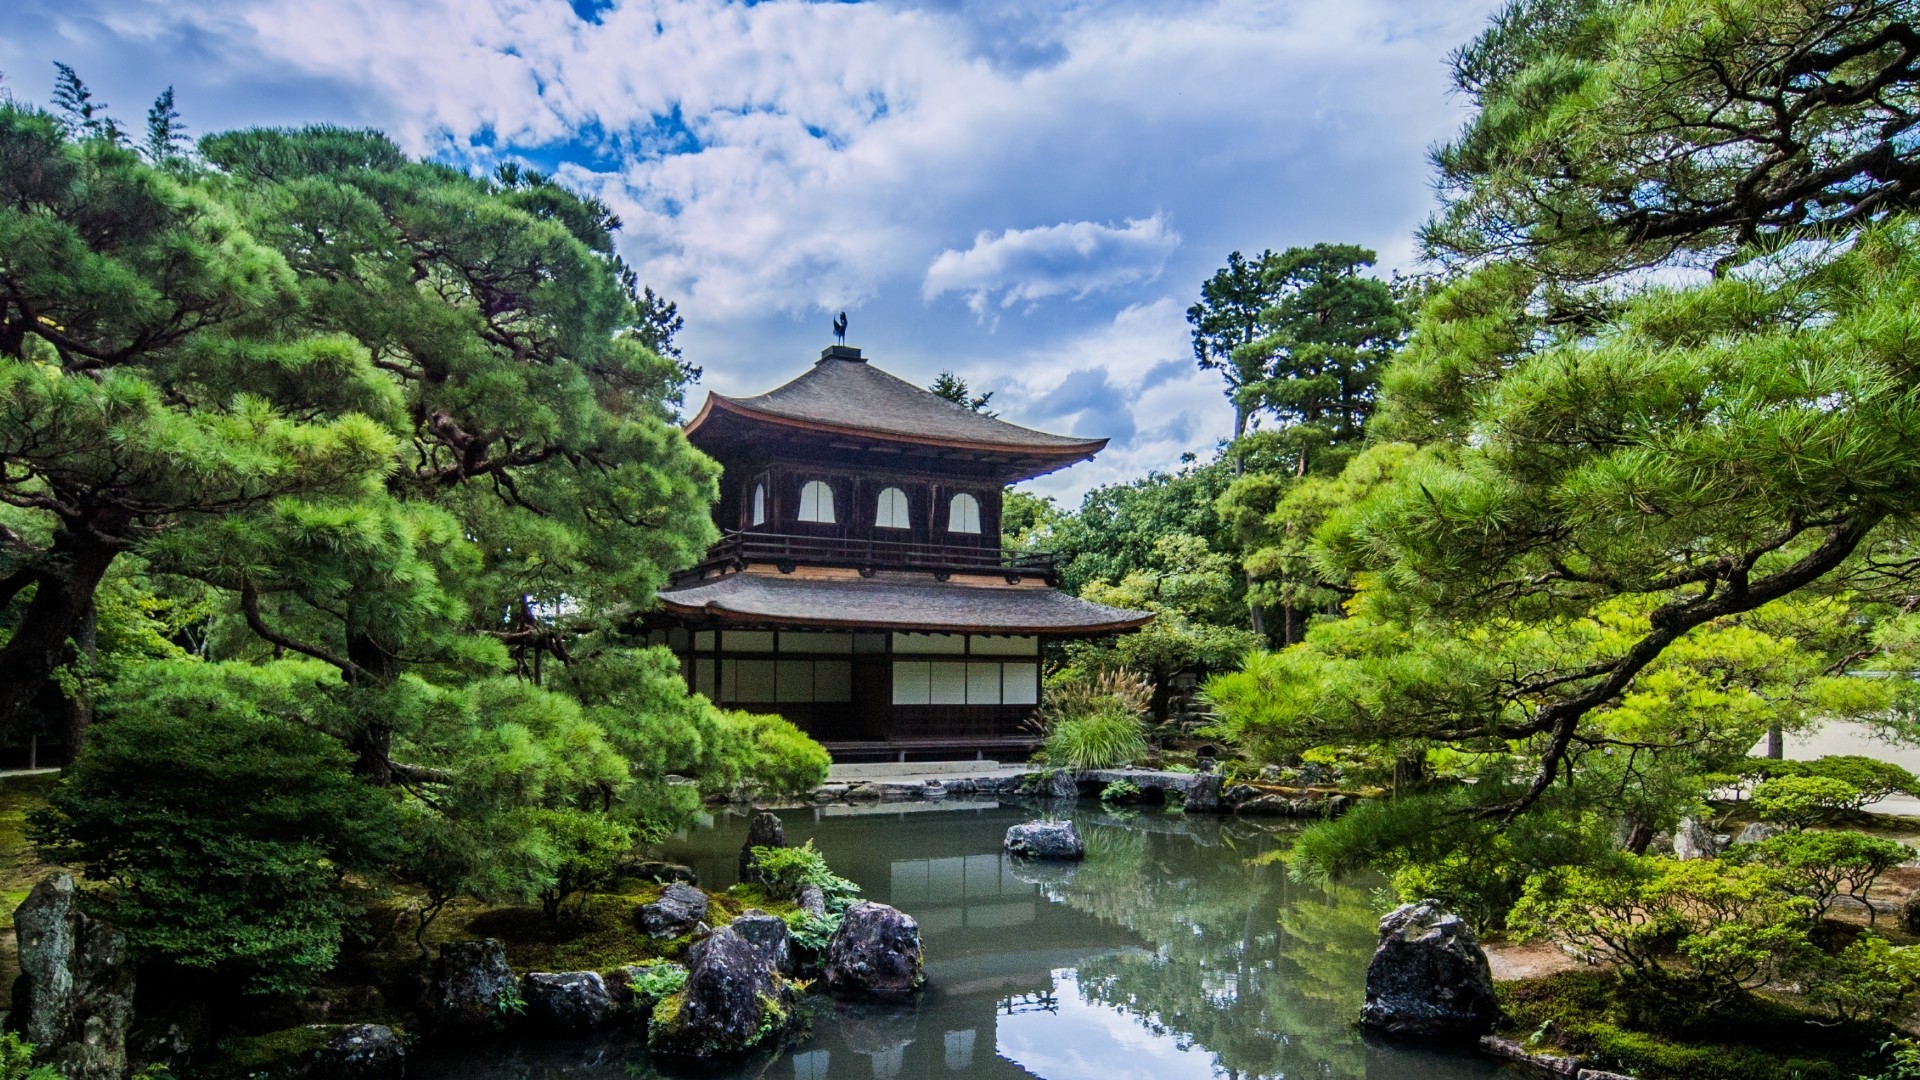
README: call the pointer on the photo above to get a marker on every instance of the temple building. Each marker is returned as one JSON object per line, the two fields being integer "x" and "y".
{"x": 860, "y": 588}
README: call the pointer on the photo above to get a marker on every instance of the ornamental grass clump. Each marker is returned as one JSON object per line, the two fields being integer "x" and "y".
{"x": 1096, "y": 721}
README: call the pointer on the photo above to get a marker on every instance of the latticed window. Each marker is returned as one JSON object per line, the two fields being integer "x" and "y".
{"x": 963, "y": 515}
{"x": 816, "y": 503}
{"x": 892, "y": 512}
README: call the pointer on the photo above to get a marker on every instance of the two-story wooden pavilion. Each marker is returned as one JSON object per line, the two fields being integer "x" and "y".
{"x": 860, "y": 588}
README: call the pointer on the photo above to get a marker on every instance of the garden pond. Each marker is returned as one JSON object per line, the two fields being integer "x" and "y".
{"x": 1179, "y": 949}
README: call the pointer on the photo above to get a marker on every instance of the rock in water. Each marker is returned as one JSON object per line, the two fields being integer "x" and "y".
{"x": 360, "y": 1052}
{"x": 734, "y": 1002}
{"x": 1429, "y": 978}
{"x": 769, "y": 934}
{"x": 1062, "y": 785}
{"x": 679, "y": 909}
{"x": 472, "y": 988}
{"x": 566, "y": 1001}
{"x": 763, "y": 830}
{"x": 875, "y": 951}
{"x": 1046, "y": 840}
{"x": 75, "y": 995}
{"x": 665, "y": 872}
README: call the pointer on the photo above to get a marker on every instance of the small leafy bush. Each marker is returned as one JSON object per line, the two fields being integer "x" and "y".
{"x": 1827, "y": 865}
{"x": 1867, "y": 980}
{"x": 786, "y": 870}
{"x": 16, "y": 1061}
{"x": 658, "y": 981}
{"x": 1121, "y": 791}
{"x": 1800, "y": 801}
{"x": 1701, "y": 931}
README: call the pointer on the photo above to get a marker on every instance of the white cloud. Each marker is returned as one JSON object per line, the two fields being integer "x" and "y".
{"x": 1077, "y": 257}
{"x": 780, "y": 160}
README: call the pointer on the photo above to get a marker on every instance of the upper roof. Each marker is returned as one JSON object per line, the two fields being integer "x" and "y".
{"x": 894, "y": 602}
{"x": 843, "y": 394}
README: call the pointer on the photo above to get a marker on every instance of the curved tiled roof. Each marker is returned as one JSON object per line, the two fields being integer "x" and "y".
{"x": 843, "y": 392}
{"x": 882, "y": 604}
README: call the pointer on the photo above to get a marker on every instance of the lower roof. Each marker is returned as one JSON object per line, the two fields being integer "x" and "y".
{"x": 883, "y": 604}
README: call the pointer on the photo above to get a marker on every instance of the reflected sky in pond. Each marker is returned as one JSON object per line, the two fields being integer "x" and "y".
{"x": 1179, "y": 949}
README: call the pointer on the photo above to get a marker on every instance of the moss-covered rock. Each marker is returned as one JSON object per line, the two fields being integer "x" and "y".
{"x": 313, "y": 1052}
{"x": 733, "y": 1004}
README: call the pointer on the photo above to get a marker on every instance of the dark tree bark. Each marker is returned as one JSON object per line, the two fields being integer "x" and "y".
{"x": 61, "y": 607}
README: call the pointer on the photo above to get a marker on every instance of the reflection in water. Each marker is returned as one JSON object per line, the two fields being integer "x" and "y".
{"x": 1172, "y": 951}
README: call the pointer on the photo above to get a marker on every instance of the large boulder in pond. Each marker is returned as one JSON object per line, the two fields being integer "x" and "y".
{"x": 567, "y": 1001}
{"x": 471, "y": 989}
{"x": 763, "y": 830}
{"x": 875, "y": 951}
{"x": 734, "y": 1003}
{"x": 74, "y": 997}
{"x": 769, "y": 934}
{"x": 358, "y": 1052}
{"x": 679, "y": 909}
{"x": 1054, "y": 840}
{"x": 1429, "y": 978}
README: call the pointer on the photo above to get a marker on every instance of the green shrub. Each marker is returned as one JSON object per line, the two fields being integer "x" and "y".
{"x": 1701, "y": 931}
{"x": 223, "y": 829}
{"x": 1867, "y": 980}
{"x": 16, "y": 1061}
{"x": 786, "y": 870}
{"x": 1096, "y": 721}
{"x": 1827, "y": 865}
{"x": 1121, "y": 791}
{"x": 774, "y": 755}
{"x": 658, "y": 981}
{"x": 1800, "y": 801}
{"x": 1105, "y": 738}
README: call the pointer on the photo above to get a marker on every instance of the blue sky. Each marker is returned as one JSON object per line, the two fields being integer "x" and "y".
{"x": 1027, "y": 194}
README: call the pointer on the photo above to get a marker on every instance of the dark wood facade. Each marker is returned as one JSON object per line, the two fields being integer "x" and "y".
{"x": 860, "y": 588}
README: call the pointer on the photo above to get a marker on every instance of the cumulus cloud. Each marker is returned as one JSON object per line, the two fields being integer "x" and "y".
{"x": 778, "y": 160}
{"x": 1077, "y": 257}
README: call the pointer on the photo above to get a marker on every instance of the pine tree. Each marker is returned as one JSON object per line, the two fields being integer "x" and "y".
{"x": 954, "y": 388}
{"x": 165, "y": 133}
{"x": 85, "y": 117}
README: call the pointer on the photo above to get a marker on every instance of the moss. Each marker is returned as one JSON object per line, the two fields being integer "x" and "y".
{"x": 668, "y": 1010}
{"x": 268, "y": 1053}
{"x": 1593, "y": 1014}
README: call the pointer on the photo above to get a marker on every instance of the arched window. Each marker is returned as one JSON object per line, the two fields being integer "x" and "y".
{"x": 892, "y": 512}
{"x": 963, "y": 516}
{"x": 816, "y": 502}
{"x": 759, "y": 505}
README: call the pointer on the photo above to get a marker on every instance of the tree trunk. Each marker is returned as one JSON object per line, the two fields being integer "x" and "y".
{"x": 1776, "y": 742}
{"x": 61, "y": 606}
{"x": 1410, "y": 770}
{"x": 372, "y": 743}
{"x": 1639, "y": 838}
{"x": 80, "y": 705}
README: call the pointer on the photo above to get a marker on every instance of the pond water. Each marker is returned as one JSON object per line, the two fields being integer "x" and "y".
{"x": 1172, "y": 952}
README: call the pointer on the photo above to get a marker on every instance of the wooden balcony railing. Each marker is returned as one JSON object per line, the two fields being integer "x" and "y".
{"x": 748, "y": 546}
